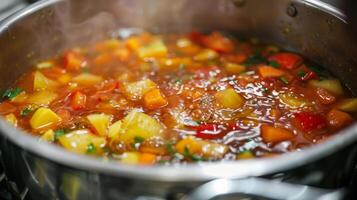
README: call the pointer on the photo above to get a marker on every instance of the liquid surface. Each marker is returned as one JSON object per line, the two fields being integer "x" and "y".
{"x": 155, "y": 99}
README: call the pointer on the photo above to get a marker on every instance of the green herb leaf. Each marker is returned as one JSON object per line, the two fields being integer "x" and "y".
{"x": 274, "y": 64}
{"x": 138, "y": 139}
{"x": 301, "y": 73}
{"x": 26, "y": 111}
{"x": 91, "y": 148}
{"x": 284, "y": 80}
{"x": 254, "y": 59}
{"x": 189, "y": 155}
{"x": 170, "y": 149}
{"x": 11, "y": 93}
{"x": 59, "y": 133}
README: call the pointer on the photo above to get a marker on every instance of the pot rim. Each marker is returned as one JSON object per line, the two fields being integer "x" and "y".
{"x": 176, "y": 173}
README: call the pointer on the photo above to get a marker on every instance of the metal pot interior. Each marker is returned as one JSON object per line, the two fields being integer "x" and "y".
{"x": 313, "y": 29}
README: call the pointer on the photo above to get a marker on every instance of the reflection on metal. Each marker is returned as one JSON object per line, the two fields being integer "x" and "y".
{"x": 291, "y": 10}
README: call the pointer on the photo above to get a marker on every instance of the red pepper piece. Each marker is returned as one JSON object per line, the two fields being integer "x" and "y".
{"x": 287, "y": 60}
{"x": 210, "y": 131}
{"x": 78, "y": 101}
{"x": 310, "y": 122}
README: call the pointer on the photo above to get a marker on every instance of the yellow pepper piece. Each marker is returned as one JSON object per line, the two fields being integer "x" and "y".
{"x": 41, "y": 82}
{"x": 115, "y": 130}
{"x": 44, "y": 117}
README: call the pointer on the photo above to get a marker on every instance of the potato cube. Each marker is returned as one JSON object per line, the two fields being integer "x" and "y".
{"x": 87, "y": 79}
{"x": 156, "y": 48}
{"x": 42, "y": 98}
{"x": 229, "y": 98}
{"x": 137, "y": 124}
{"x": 331, "y": 85}
{"x": 205, "y": 55}
{"x": 82, "y": 141}
{"x": 48, "y": 136}
{"x": 136, "y": 90}
{"x": 100, "y": 122}
{"x": 348, "y": 105}
{"x": 41, "y": 82}
{"x": 233, "y": 68}
{"x": 130, "y": 158}
{"x": 44, "y": 117}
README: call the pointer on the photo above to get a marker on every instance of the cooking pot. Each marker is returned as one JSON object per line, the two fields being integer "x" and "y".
{"x": 44, "y": 171}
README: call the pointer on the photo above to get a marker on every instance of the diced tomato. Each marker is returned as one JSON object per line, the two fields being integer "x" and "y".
{"x": 78, "y": 101}
{"x": 73, "y": 60}
{"x": 308, "y": 76}
{"x": 324, "y": 96}
{"x": 309, "y": 121}
{"x": 210, "y": 131}
{"x": 287, "y": 60}
{"x": 218, "y": 42}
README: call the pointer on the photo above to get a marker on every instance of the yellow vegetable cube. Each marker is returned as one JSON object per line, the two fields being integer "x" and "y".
{"x": 137, "y": 124}
{"x": 245, "y": 155}
{"x": 41, "y": 82}
{"x": 11, "y": 118}
{"x": 229, "y": 98}
{"x": 44, "y": 117}
{"x": 136, "y": 90}
{"x": 156, "y": 48}
{"x": 65, "y": 78}
{"x": 100, "y": 122}
{"x": 206, "y": 54}
{"x": 87, "y": 79}
{"x": 43, "y": 98}
{"x": 115, "y": 130}
{"x": 331, "y": 85}
{"x": 233, "y": 68}
{"x": 82, "y": 141}
{"x": 130, "y": 158}
{"x": 48, "y": 136}
{"x": 348, "y": 105}
{"x": 293, "y": 101}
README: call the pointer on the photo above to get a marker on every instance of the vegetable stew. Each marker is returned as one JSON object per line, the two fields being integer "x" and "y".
{"x": 155, "y": 99}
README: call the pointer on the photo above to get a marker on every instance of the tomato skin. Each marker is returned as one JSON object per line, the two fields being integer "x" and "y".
{"x": 286, "y": 60}
{"x": 218, "y": 42}
{"x": 78, "y": 101}
{"x": 310, "y": 122}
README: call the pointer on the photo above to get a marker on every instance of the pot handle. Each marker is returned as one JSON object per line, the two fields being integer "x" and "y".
{"x": 259, "y": 187}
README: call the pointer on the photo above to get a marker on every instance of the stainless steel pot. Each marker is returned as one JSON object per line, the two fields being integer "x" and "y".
{"x": 44, "y": 29}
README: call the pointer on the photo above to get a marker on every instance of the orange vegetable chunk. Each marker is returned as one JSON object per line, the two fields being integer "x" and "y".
{"x": 154, "y": 99}
{"x": 338, "y": 119}
{"x": 274, "y": 134}
{"x": 266, "y": 72}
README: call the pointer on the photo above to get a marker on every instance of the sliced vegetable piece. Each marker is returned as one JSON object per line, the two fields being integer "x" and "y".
{"x": 293, "y": 101}
{"x": 100, "y": 122}
{"x": 233, "y": 68}
{"x": 78, "y": 101}
{"x": 309, "y": 121}
{"x": 331, "y": 85}
{"x": 44, "y": 117}
{"x": 156, "y": 48}
{"x": 115, "y": 130}
{"x": 79, "y": 140}
{"x": 41, "y": 82}
{"x": 137, "y": 124}
{"x": 218, "y": 42}
{"x": 154, "y": 99}
{"x": 287, "y": 60}
{"x": 87, "y": 79}
{"x": 42, "y": 98}
{"x": 325, "y": 97}
{"x": 338, "y": 119}
{"x": 136, "y": 90}
{"x": 11, "y": 118}
{"x": 205, "y": 55}
{"x": 74, "y": 61}
{"x": 229, "y": 98}
{"x": 348, "y": 105}
{"x": 267, "y": 72}
{"x": 48, "y": 136}
{"x": 274, "y": 134}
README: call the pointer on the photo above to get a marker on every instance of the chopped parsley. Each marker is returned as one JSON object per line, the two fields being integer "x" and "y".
{"x": 26, "y": 111}
{"x": 91, "y": 148}
{"x": 59, "y": 133}
{"x": 274, "y": 64}
{"x": 11, "y": 93}
{"x": 139, "y": 139}
{"x": 189, "y": 155}
{"x": 284, "y": 80}
{"x": 301, "y": 73}
{"x": 254, "y": 59}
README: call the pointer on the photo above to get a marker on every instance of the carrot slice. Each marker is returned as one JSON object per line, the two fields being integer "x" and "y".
{"x": 338, "y": 119}
{"x": 154, "y": 99}
{"x": 266, "y": 72}
{"x": 273, "y": 134}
